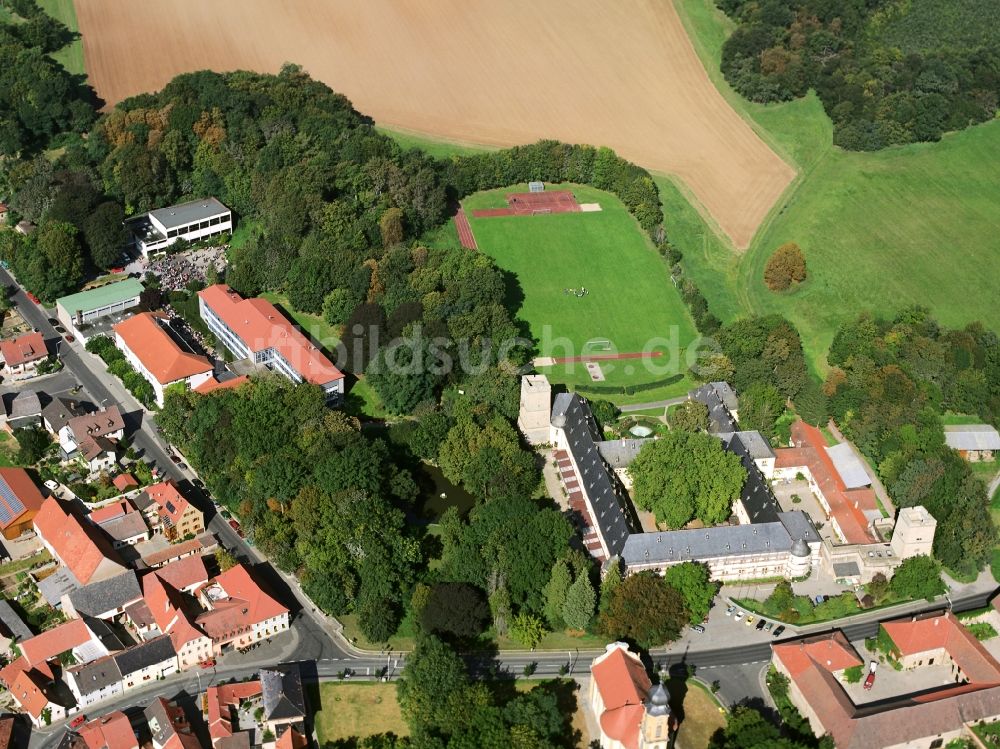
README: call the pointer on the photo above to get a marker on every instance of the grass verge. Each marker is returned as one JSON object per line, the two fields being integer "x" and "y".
{"x": 70, "y": 56}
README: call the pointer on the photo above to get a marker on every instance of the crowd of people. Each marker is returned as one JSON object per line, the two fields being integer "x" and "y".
{"x": 177, "y": 271}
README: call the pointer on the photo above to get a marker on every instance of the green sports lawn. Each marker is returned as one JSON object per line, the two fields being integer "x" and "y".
{"x": 631, "y": 300}
{"x": 70, "y": 56}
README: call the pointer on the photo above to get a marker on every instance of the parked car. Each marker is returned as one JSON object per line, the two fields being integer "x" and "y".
{"x": 769, "y": 626}
{"x": 78, "y": 721}
{"x": 175, "y": 458}
{"x": 32, "y": 297}
{"x": 778, "y": 630}
{"x": 51, "y": 485}
{"x": 236, "y": 527}
{"x": 68, "y": 338}
{"x": 210, "y": 663}
{"x": 739, "y": 615}
{"x": 730, "y": 610}
{"x": 870, "y": 680}
{"x": 53, "y": 321}
{"x": 820, "y": 599}
{"x": 698, "y": 628}
{"x": 751, "y": 620}
{"x": 761, "y": 624}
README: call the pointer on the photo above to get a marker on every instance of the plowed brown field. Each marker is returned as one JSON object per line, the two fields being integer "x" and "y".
{"x": 620, "y": 73}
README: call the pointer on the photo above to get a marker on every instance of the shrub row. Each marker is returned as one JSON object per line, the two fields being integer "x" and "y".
{"x": 118, "y": 365}
{"x": 629, "y": 389}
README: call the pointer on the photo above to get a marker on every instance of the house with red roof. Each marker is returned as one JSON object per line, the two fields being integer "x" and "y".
{"x": 111, "y": 731}
{"x": 169, "y": 727}
{"x": 631, "y": 712}
{"x": 79, "y": 545}
{"x": 20, "y": 501}
{"x": 172, "y": 614}
{"x": 155, "y": 353}
{"x": 22, "y": 355}
{"x": 255, "y": 329}
{"x": 969, "y": 693}
{"x": 238, "y": 611}
{"x": 221, "y": 706}
{"x": 210, "y": 386}
{"x": 169, "y": 511}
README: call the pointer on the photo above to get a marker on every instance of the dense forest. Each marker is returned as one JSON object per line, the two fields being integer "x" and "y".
{"x": 879, "y": 79}
{"x": 890, "y": 384}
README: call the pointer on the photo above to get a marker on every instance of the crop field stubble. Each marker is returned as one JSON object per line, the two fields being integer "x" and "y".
{"x": 618, "y": 74}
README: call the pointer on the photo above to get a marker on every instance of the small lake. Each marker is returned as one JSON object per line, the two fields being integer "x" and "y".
{"x": 437, "y": 493}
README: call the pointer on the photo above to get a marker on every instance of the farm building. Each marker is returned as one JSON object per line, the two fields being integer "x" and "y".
{"x": 20, "y": 501}
{"x": 193, "y": 221}
{"x": 974, "y": 442}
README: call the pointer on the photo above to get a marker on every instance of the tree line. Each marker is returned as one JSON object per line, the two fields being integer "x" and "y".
{"x": 876, "y": 94}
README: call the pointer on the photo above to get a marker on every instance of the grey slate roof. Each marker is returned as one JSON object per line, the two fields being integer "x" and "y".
{"x": 12, "y": 624}
{"x": 619, "y": 453}
{"x": 756, "y": 495}
{"x": 754, "y": 444}
{"x": 185, "y": 213}
{"x": 726, "y": 394}
{"x": 107, "y": 595}
{"x": 846, "y": 569}
{"x": 611, "y": 511}
{"x": 124, "y": 527}
{"x": 799, "y": 526}
{"x": 719, "y": 418}
{"x": 60, "y": 411}
{"x": 971, "y": 437}
{"x": 698, "y": 544}
{"x": 107, "y": 636}
{"x": 852, "y": 471}
{"x": 96, "y": 675}
{"x": 145, "y": 654}
{"x": 56, "y": 585}
{"x": 282, "y": 693}
{"x": 25, "y": 404}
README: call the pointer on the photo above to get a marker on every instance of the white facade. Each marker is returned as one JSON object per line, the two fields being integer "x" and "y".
{"x": 150, "y": 673}
{"x": 194, "y": 221}
{"x": 195, "y": 651}
{"x": 158, "y": 387}
{"x": 86, "y": 696}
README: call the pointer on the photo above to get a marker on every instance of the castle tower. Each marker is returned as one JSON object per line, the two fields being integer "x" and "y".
{"x": 913, "y": 533}
{"x": 654, "y": 731}
{"x": 536, "y": 405}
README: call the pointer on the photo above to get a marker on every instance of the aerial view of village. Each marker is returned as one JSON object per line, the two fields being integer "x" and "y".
{"x": 396, "y": 374}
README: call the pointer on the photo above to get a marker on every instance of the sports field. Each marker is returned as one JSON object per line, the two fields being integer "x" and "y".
{"x": 620, "y": 74}
{"x": 629, "y": 301}
{"x": 70, "y": 56}
{"x": 917, "y": 224}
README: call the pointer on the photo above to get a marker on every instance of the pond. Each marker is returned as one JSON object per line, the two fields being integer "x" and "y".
{"x": 437, "y": 493}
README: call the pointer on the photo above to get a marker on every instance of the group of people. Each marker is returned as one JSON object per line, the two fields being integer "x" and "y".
{"x": 177, "y": 271}
{"x": 582, "y": 291}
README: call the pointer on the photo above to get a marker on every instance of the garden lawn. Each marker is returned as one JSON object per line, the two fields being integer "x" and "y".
{"x": 70, "y": 56}
{"x": 439, "y": 149}
{"x": 8, "y": 450}
{"x": 702, "y": 717}
{"x": 916, "y": 224}
{"x": 356, "y": 709}
{"x": 314, "y": 326}
{"x": 630, "y": 302}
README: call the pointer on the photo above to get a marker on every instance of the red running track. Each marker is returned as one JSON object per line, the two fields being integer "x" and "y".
{"x": 465, "y": 235}
{"x": 528, "y": 203}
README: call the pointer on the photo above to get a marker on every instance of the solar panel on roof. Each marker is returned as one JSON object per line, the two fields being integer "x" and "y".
{"x": 10, "y": 499}
{"x": 170, "y": 507}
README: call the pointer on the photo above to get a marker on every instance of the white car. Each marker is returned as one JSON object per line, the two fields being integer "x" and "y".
{"x": 51, "y": 485}
{"x": 739, "y": 615}
{"x": 730, "y": 610}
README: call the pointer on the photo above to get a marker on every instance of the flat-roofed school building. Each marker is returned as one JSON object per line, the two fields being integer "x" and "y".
{"x": 81, "y": 309}
{"x": 195, "y": 220}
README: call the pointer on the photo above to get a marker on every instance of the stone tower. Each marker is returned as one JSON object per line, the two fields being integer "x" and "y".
{"x": 913, "y": 533}
{"x": 536, "y": 405}
{"x": 654, "y": 732}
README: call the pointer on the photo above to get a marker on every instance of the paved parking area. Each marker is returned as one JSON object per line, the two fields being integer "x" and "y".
{"x": 890, "y": 683}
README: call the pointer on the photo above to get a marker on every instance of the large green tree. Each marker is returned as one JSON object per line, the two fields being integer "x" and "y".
{"x": 644, "y": 609}
{"x": 684, "y": 475}
{"x": 693, "y": 581}
{"x": 433, "y": 677}
{"x": 578, "y": 608}
{"x": 52, "y": 263}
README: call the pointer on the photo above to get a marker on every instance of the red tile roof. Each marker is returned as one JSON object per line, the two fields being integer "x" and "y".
{"x": 184, "y": 573}
{"x": 167, "y": 496}
{"x": 237, "y": 601}
{"x": 28, "y": 688}
{"x": 623, "y": 683}
{"x": 166, "y": 605}
{"x": 111, "y": 511}
{"x": 28, "y": 348}
{"x": 210, "y": 386}
{"x": 221, "y": 699}
{"x": 945, "y": 631}
{"x": 157, "y": 350}
{"x": 111, "y": 731}
{"x": 98, "y": 424}
{"x": 6, "y": 724}
{"x": 51, "y": 643}
{"x": 847, "y": 506}
{"x": 80, "y": 546}
{"x": 291, "y": 739}
{"x": 261, "y": 326}
{"x": 124, "y": 481}
{"x": 829, "y": 652}
{"x": 24, "y": 489}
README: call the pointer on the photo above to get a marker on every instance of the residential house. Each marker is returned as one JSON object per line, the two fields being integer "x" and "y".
{"x": 94, "y": 682}
{"x": 25, "y": 410}
{"x": 22, "y": 355}
{"x": 185, "y": 575}
{"x": 24, "y": 228}
{"x": 104, "y": 599}
{"x": 169, "y": 610}
{"x": 93, "y": 437}
{"x": 221, "y": 707}
{"x": 119, "y": 672}
{"x": 204, "y": 543}
{"x": 121, "y": 523}
{"x": 974, "y": 442}
{"x": 284, "y": 700}
{"x": 77, "y": 544}
{"x": 193, "y": 221}
{"x": 56, "y": 415}
{"x": 631, "y": 712}
{"x": 125, "y": 482}
{"x": 8, "y": 726}
{"x": 238, "y": 612}
{"x": 13, "y": 630}
{"x": 38, "y": 697}
{"x": 111, "y": 731}
{"x": 169, "y": 726}
{"x": 254, "y": 329}
{"x": 169, "y": 511}
{"x": 20, "y": 501}
{"x": 79, "y": 311}
{"x": 150, "y": 348}
{"x": 968, "y": 693}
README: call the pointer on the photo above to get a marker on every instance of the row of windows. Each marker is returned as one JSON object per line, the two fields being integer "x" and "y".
{"x": 197, "y": 226}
